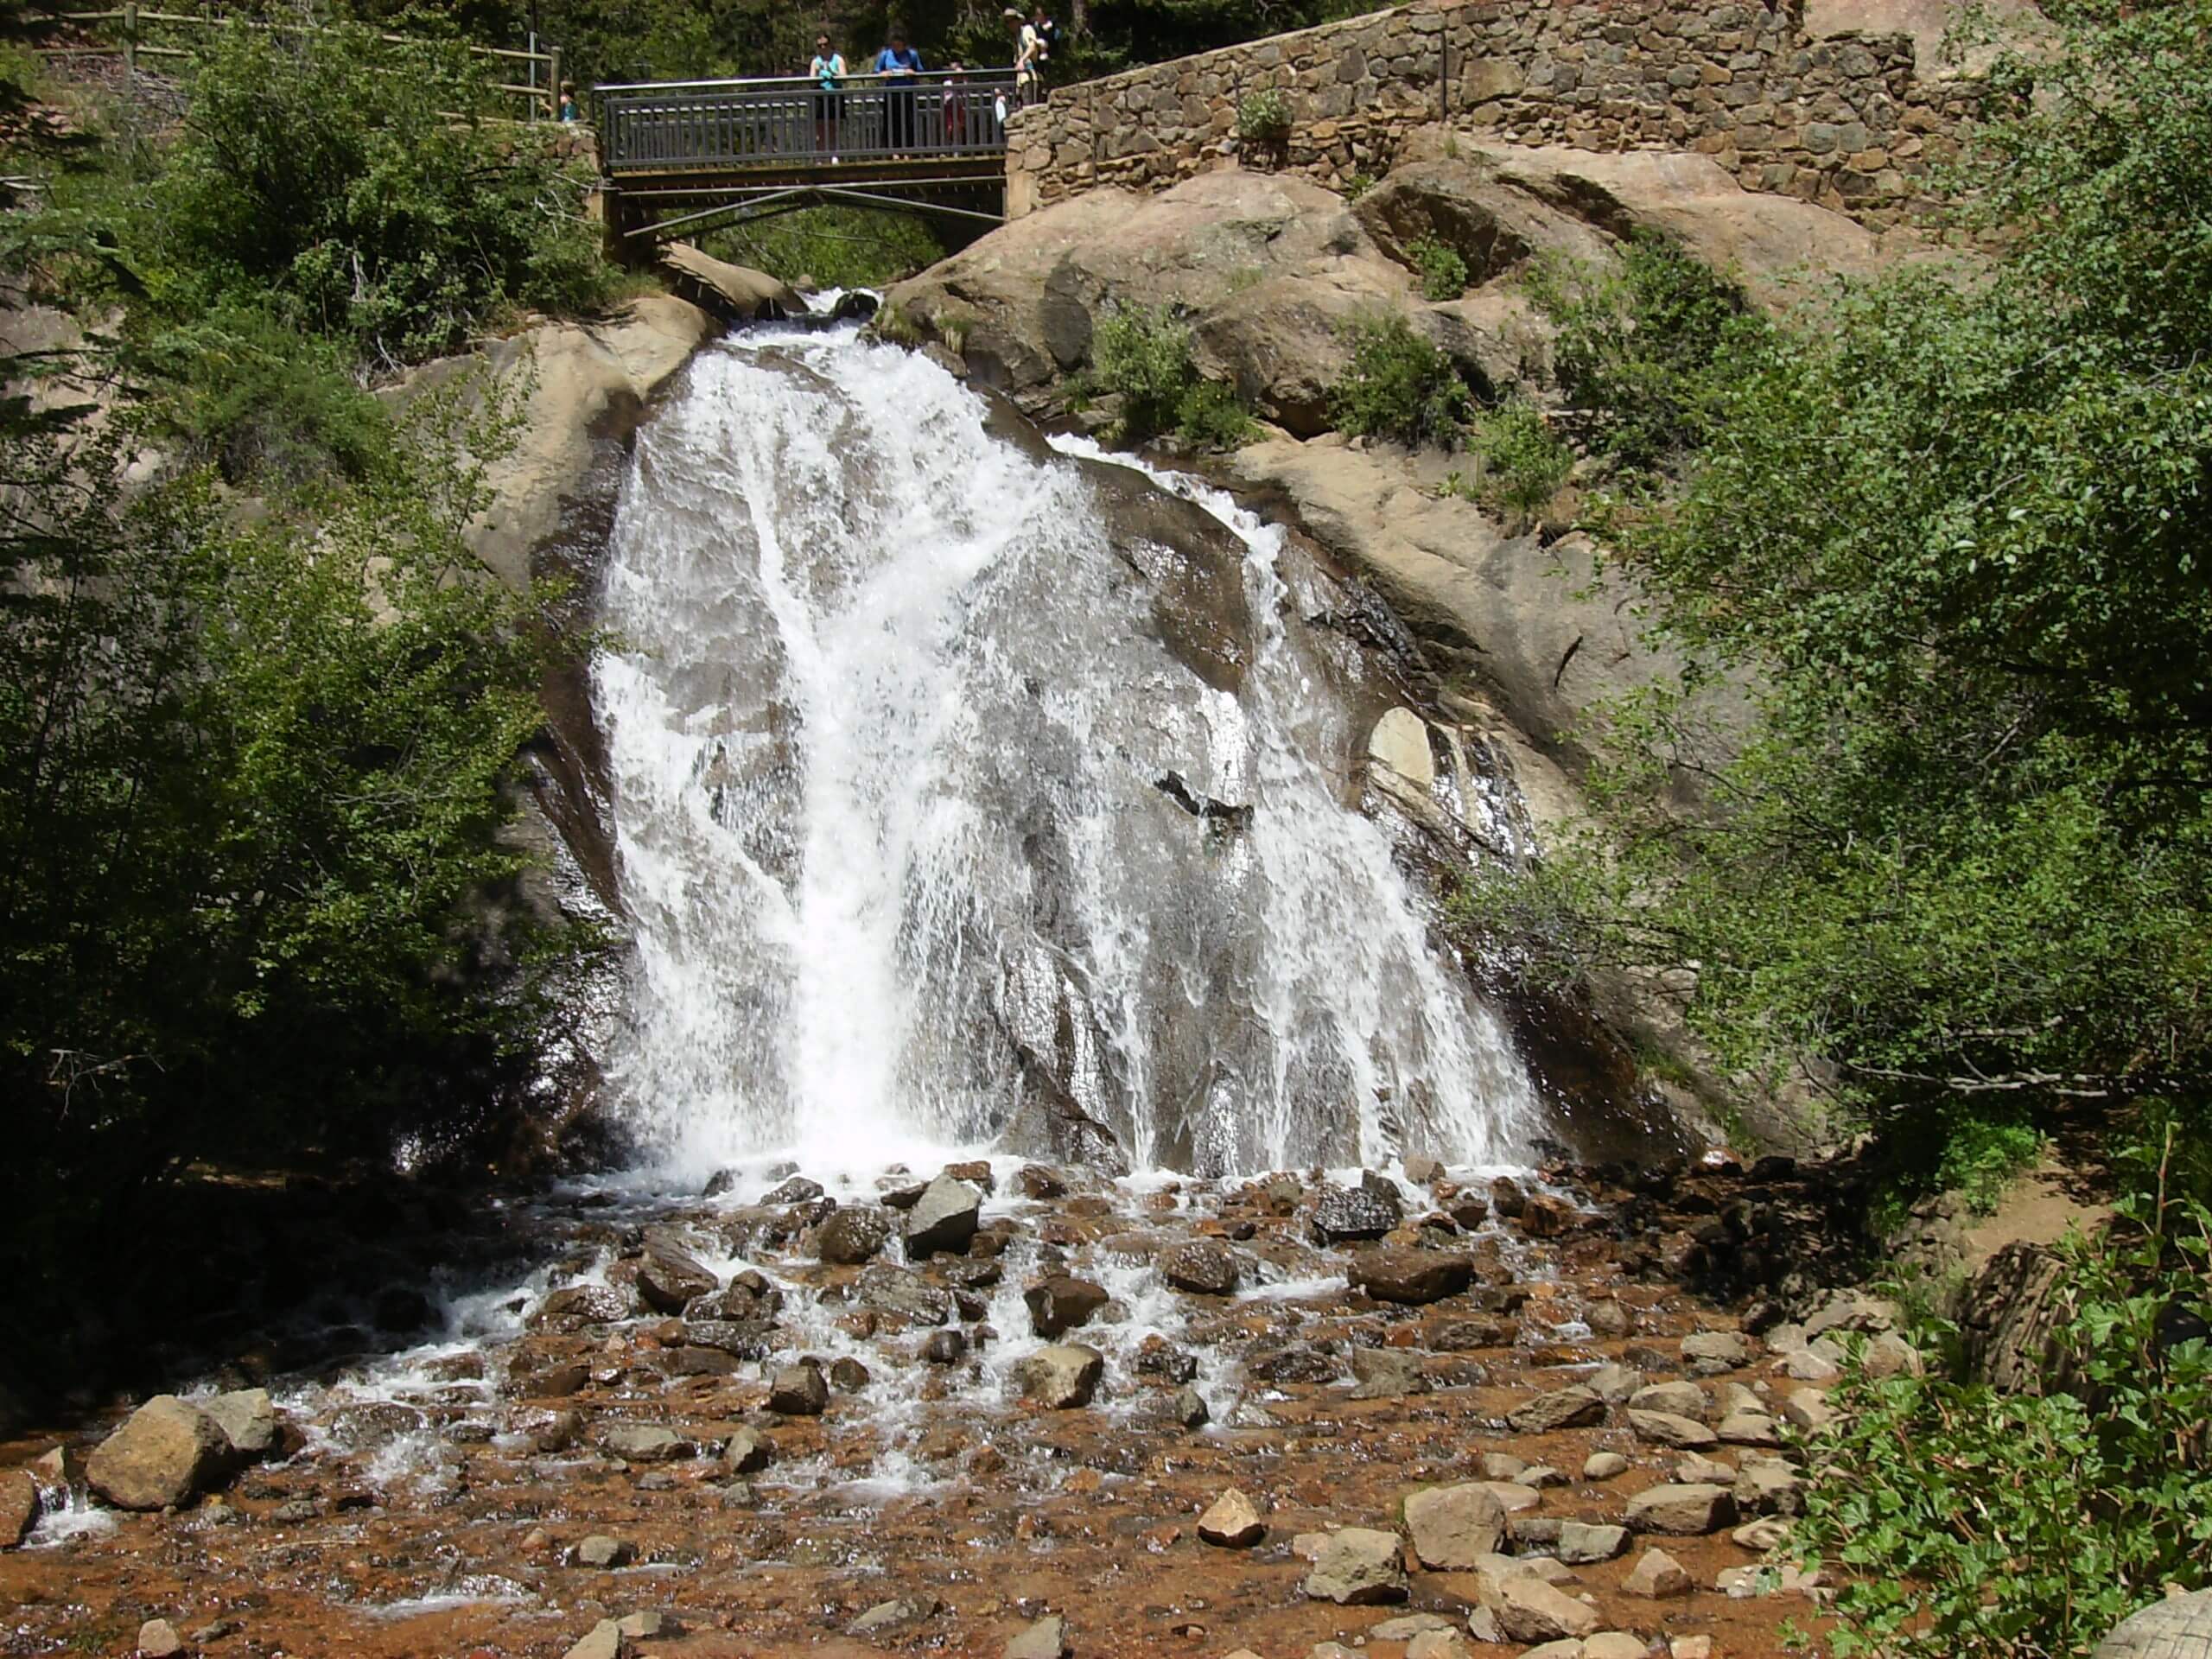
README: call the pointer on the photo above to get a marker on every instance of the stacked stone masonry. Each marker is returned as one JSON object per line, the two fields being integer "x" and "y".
{"x": 1845, "y": 121}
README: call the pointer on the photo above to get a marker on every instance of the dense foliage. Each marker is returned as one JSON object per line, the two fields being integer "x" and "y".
{"x": 1977, "y": 1525}
{"x": 1140, "y": 355}
{"x": 1400, "y": 386}
{"x": 1524, "y": 461}
{"x": 832, "y": 246}
{"x": 1952, "y": 526}
{"x": 258, "y": 900}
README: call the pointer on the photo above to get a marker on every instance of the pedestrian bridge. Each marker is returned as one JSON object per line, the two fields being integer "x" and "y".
{"x": 682, "y": 156}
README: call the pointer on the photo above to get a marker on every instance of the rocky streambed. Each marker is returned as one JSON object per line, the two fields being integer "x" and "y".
{"x": 1001, "y": 1407}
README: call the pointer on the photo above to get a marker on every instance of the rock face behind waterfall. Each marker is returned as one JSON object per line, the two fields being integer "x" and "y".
{"x": 965, "y": 790}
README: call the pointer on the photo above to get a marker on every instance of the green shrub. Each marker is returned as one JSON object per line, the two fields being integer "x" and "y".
{"x": 1635, "y": 343}
{"x": 1142, "y": 354}
{"x": 1443, "y": 272}
{"x": 267, "y": 406}
{"x": 1973, "y": 1525}
{"x": 1524, "y": 461}
{"x": 1263, "y": 116}
{"x": 356, "y": 187}
{"x": 832, "y": 246}
{"x": 1399, "y": 387}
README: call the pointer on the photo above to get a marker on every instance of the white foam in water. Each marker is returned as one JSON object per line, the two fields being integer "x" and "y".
{"x": 887, "y": 719}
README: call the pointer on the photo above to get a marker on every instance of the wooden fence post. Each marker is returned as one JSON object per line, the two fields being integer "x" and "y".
{"x": 129, "y": 38}
{"x": 553, "y": 75}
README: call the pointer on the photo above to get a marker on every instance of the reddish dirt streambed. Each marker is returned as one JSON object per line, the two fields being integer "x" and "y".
{"x": 438, "y": 1502}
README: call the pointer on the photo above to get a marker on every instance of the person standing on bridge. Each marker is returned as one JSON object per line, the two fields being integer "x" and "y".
{"x": 827, "y": 71}
{"x": 899, "y": 66}
{"x": 1028, "y": 51}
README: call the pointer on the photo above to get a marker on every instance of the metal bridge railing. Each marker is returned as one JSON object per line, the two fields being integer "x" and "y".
{"x": 684, "y": 125}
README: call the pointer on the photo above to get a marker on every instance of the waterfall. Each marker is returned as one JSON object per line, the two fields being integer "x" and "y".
{"x": 970, "y": 793}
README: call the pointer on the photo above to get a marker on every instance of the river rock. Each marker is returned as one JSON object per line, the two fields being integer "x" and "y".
{"x": 248, "y": 1420}
{"x": 944, "y": 1347}
{"x": 1604, "y": 1465}
{"x": 1205, "y": 1267}
{"x": 1688, "y": 1509}
{"x": 1614, "y": 1384}
{"x": 19, "y": 1506}
{"x": 166, "y": 1452}
{"x": 1047, "y": 1639}
{"x": 1386, "y": 1374}
{"x": 942, "y": 1219}
{"x": 847, "y": 1374}
{"x": 1188, "y": 1406}
{"x": 1666, "y": 1429}
{"x": 1613, "y": 1644}
{"x": 1064, "y": 1377}
{"x": 1680, "y": 1399}
{"x": 799, "y": 1390}
{"x": 1529, "y": 1610}
{"x": 747, "y": 1451}
{"x": 1437, "y": 1644}
{"x": 1062, "y": 1302}
{"x": 1749, "y": 1428}
{"x": 1583, "y": 1543}
{"x": 1658, "y": 1575}
{"x": 644, "y": 1443}
{"x": 572, "y": 1307}
{"x": 1354, "y": 1212}
{"x": 1770, "y": 1486}
{"x": 894, "y": 1618}
{"x": 157, "y": 1639}
{"x": 887, "y": 1289}
{"x": 1411, "y": 1277}
{"x": 1453, "y": 1526}
{"x": 852, "y": 1235}
{"x": 670, "y": 1276}
{"x": 604, "y": 1551}
{"x": 1569, "y": 1407}
{"x": 1710, "y": 1352}
{"x": 605, "y": 1640}
{"x": 1232, "y": 1521}
{"x": 1358, "y": 1567}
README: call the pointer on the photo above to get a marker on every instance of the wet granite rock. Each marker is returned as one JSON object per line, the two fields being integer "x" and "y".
{"x": 1188, "y": 1406}
{"x": 799, "y": 1390}
{"x": 1062, "y": 1302}
{"x": 571, "y": 1308}
{"x": 249, "y": 1421}
{"x": 797, "y": 1190}
{"x": 747, "y": 1453}
{"x": 944, "y": 1347}
{"x": 1582, "y": 1543}
{"x": 942, "y": 1219}
{"x": 1358, "y": 1567}
{"x": 1342, "y": 1213}
{"x": 669, "y": 1277}
{"x": 739, "y": 1340}
{"x": 852, "y": 1235}
{"x": 1529, "y": 1610}
{"x": 1062, "y": 1377}
{"x": 1411, "y": 1277}
{"x": 644, "y": 1443}
{"x": 166, "y": 1453}
{"x": 1038, "y": 1181}
{"x": 847, "y": 1374}
{"x": 1667, "y": 1428}
{"x": 1205, "y": 1267}
{"x": 1157, "y": 1357}
{"x": 1386, "y": 1374}
{"x": 19, "y": 1506}
{"x": 902, "y": 1292}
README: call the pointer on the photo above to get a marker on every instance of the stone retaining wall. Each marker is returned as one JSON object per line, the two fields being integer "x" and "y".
{"x": 1846, "y": 120}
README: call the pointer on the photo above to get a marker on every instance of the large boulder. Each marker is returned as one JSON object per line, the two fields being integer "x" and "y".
{"x": 1062, "y": 1302}
{"x": 1342, "y": 1213}
{"x": 1358, "y": 1567}
{"x": 733, "y": 293}
{"x": 1529, "y": 1610}
{"x": 166, "y": 1453}
{"x": 852, "y": 1235}
{"x": 944, "y": 1218}
{"x": 1062, "y": 1377}
{"x": 1204, "y": 1266}
{"x": 1270, "y": 268}
{"x": 2176, "y": 1628}
{"x": 1452, "y": 1527}
{"x": 1411, "y": 1277}
{"x": 249, "y": 1421}
{"x": 669, "y": 1277}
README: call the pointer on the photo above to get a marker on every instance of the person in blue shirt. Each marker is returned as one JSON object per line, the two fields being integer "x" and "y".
{"x": 899, "y": 66}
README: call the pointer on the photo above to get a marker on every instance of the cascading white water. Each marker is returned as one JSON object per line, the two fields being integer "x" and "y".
{"x": 933, "y": 833}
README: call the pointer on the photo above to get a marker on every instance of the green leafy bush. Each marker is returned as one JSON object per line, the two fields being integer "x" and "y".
{"x": 353, "y": 186}
{"x": 1142, "y": 354}
{"x": 1636, "y": 342}
{"x": 1399, "y": 387}
{"x": 1524, "y": 461}
{"x": 832, "y": 247}
{"x": 1443, "y": 272}
{"x": 1263, "y": 116}
{"x": 1976, "y": 1525}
